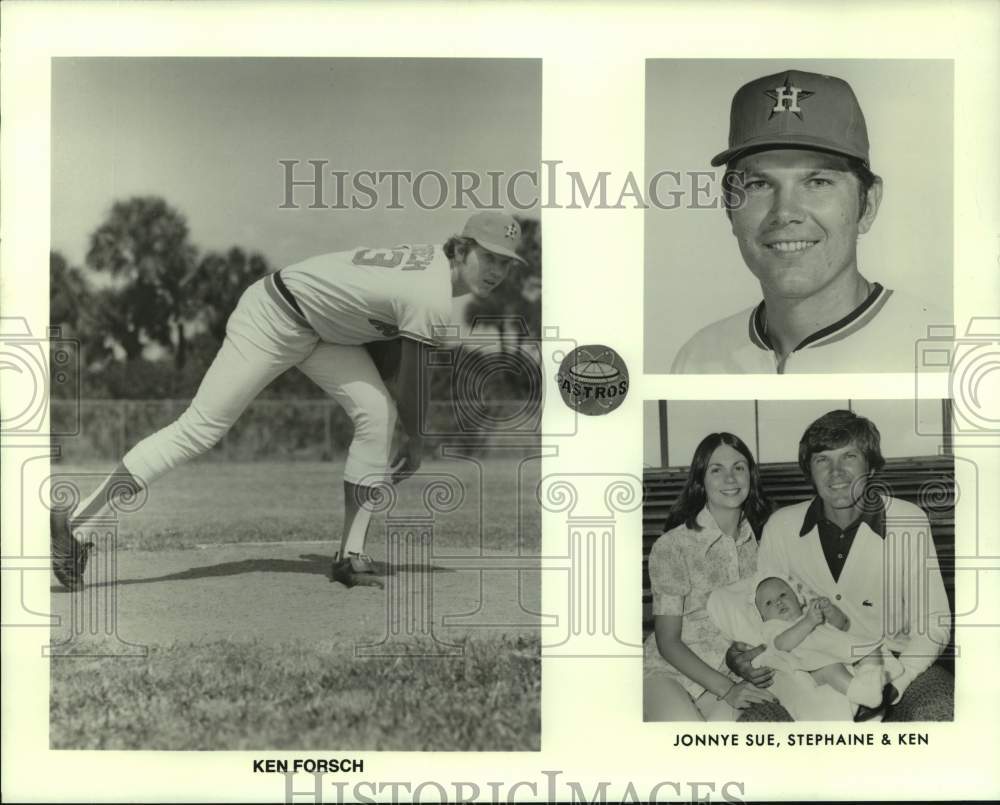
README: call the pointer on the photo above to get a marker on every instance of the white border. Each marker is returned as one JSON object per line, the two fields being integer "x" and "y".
{"x": 593, "y": 119}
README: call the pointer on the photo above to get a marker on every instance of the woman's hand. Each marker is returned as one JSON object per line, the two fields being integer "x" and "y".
{"x": 744, "y": 694}
{"x": 677, "y": 653}
{"x": 739, "y": 659}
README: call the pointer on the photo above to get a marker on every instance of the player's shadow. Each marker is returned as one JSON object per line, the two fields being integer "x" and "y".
{"x": 308, "y": 563}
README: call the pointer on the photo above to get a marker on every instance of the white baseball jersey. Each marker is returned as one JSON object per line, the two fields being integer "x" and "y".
{"x": 369, "y": 294}
{"x": 880, "y": 335}
{"x": 890, "y": 586}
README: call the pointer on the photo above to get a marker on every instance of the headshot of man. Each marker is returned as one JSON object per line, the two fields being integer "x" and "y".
{"x": 799, "y": 191}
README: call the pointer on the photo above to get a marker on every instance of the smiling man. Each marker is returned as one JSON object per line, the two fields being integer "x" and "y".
{"x": 872, "y": 555}
{"x": 799, "y": 193}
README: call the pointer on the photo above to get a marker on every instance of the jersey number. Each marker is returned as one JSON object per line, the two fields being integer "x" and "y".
{"x": 381, "y": 258}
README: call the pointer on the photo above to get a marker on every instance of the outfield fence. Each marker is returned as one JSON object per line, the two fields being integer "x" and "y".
{"x": 275, "y": 429}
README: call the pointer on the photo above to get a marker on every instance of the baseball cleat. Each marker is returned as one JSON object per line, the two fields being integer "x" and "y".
{"x": 355, "y": 570}
{"x": 69, "y": 555}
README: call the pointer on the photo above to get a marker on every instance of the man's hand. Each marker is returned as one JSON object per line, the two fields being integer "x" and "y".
{"x": 738, "y": 659}
{"x": 407, "y": 460}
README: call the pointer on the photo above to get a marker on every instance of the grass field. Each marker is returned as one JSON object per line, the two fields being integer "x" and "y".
{"x": 227, "y": 695}
{"x": 216, "y": 502}
{"x": 297, "y": 683}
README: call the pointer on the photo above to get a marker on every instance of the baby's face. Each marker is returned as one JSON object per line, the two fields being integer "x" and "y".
{"x": 777, "y": 601}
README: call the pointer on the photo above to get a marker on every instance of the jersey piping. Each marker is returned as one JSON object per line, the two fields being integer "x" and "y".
{"x": 837, "y": 331}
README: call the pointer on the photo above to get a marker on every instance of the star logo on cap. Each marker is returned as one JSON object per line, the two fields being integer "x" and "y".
{"x": 511, "y": 231}
{"x": 786, "y": 98}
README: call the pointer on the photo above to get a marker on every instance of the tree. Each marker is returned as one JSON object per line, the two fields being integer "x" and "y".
{"x": 76, "y": 310}
{"x": 115, "y": 312}
{"x": 219, "y": 281}
{"x": 144, "y": 245}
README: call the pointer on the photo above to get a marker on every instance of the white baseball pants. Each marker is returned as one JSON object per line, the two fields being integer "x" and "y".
{"x": 263, "y": 340}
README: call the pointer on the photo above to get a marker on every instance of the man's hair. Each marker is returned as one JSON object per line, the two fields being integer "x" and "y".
{"x": 732, "y": 190}
{"x": 458, "y": 246}
{"x": 838, "y": 429}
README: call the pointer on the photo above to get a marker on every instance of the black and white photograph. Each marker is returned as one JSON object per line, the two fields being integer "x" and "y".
{"x": 804, "y": 222}
{"x": 312, "y": 492}
{"x": 797, "y": 561}
{"x": 295, "y": 408}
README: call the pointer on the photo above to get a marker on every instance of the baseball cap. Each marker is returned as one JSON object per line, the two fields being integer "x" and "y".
{"x": 795, "y": 109}
{"x": 495, "y": 232}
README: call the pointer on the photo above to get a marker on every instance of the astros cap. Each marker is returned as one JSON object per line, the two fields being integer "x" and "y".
{"x": 495, "y": 232}
{"x": 794, "y": 109}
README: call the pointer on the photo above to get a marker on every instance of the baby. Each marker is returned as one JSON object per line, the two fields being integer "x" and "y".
{"x": 816, "y": 642}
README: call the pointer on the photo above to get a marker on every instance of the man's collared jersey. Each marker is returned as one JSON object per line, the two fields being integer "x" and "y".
{"x": 370, "y": 294}
{"x": 880, "y": 335}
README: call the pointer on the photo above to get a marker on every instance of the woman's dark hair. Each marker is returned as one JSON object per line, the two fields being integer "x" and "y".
{"x": 838, "y": 429}
{"x": 692, "y": 499}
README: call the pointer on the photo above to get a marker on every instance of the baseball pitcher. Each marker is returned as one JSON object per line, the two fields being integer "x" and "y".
{"x": 317, "y": 315}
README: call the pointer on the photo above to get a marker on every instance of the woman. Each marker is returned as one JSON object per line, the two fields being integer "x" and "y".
{"x": 711, "y": 541}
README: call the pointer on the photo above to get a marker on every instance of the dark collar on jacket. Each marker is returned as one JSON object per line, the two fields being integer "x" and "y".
{"x": 873, "y": 514}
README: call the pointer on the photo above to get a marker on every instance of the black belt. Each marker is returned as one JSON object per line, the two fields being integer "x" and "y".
{"x": 287, "y": 294}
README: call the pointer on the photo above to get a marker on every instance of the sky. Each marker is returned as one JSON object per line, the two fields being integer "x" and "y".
{"x": 207, "y": 135}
